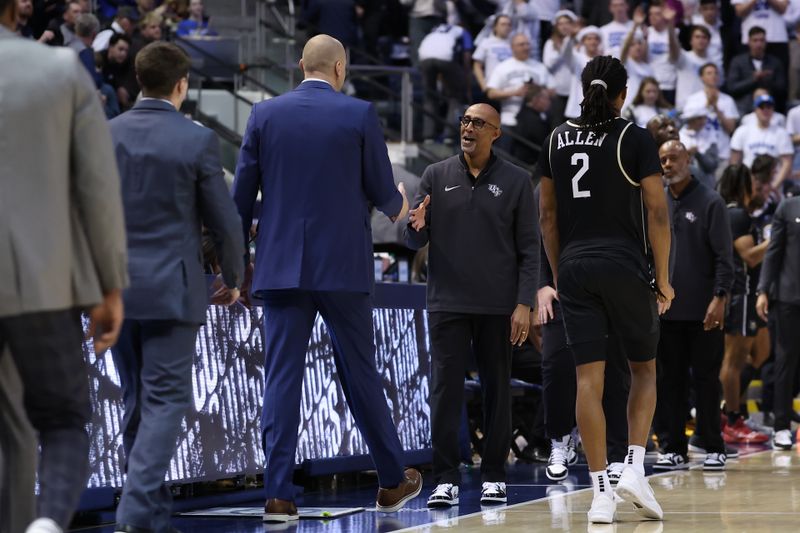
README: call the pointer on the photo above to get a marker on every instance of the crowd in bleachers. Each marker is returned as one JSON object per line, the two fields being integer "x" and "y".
{"x": 109, "y": 38}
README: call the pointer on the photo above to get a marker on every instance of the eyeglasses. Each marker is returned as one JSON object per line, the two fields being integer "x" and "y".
{"x": 477, "y": 123}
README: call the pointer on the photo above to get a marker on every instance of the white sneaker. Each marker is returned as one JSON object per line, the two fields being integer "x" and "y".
{"x": 614, "y": 471}
{"x": 493, "y": 492}
{"x": 633, "y": 487}
{"x": 562, "y": 454}
{"x": 444, "y": 495}
{"x": 714, "y": 462}
{"x": 782, "y": 440}
{"x": 603, "y": 509}
{"x": 44, "y": 525}
{"x": 670, "y": 461}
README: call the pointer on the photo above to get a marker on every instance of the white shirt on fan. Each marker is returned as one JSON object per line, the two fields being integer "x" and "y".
{"x": 727, "y": 106}
{"x": 714, "y": 50}
{"x": 658, "y": 57}
{"x": 558, "y": 66}
{"x": 636, "y": 73}
{"x": 689, "y": 82}
{"x": 491, "y": 52}
{"x": 614, "y": 34}
{"x": 573, "y": 109}
{"x": 793, "y": 121}
{"x": 765, "y": 16}
{"x": 753, "y": 141}
{"x": 513, "y": 73}
{"x": 778, "y": 120}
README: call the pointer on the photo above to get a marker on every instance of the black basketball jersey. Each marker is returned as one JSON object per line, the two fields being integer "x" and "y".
{"x": 597, "y": 182}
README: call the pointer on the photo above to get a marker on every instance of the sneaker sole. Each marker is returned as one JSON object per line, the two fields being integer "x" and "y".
{"x": 782, "y": 447}
{"x": 279, "y": 518}
{"x": 714, "y": 468}
{"x": 601, "y": 519}
{"x": 670, "y": 468}
{"x": 441, "y": 504}
{"x": 494, "y": 499}
{"x": 556, "y": 478}
{"x": 642, "y": 509}
{"x": 399, "y": 505}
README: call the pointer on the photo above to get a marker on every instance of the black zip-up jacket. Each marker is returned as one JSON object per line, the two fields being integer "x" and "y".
{"x": 483, "y": 256}
{"x": 780, "y": 271}
{"x": 701, "y": 238}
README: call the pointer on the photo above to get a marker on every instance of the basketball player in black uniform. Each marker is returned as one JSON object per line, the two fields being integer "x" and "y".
{"x": 599, "y": 173}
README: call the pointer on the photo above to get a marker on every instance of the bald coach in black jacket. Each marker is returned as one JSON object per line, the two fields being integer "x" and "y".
{"x": 477, "y": 213}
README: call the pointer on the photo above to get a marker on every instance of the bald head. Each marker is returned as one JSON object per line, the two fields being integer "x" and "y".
{"x": 477, "y": 137}
{"x": 674, "y": 162}
{"x": 320, "y": 55}
{"x": 486, "y": 112}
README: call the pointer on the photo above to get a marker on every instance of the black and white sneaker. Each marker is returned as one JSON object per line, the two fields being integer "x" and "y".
{"x": 493, "y": 492}
{"x": 714, "y": 462}
{"x": 698, "y": 447}
{"x": 614, "y": 471}
{"x": 782, "y": 440}
{"x": 671, "y": 461}
{"x": 562, "y": 454}
{"x": 444, "y": 495}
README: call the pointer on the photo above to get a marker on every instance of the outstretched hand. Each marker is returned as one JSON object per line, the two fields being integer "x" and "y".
{"x": 417, "y": 216}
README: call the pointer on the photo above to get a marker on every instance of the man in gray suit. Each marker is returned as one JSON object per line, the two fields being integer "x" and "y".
{"x": 172, "y": 180}
{"x": 62, "y": 251}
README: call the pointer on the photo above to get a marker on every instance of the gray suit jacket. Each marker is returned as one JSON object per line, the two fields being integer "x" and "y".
{"x": 780, "y": 271}
{"x": 62, "y": 236}
{"x": 172, "y": 181}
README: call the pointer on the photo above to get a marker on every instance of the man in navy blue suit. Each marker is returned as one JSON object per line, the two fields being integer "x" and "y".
{"x": 172, "y": 185}
{"x": 319, "y": 158}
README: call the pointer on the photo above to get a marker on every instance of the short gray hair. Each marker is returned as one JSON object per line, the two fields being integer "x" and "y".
{"x": 86, "y": 25}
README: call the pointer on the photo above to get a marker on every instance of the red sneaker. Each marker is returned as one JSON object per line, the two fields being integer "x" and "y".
{"x": 740, "y": 433}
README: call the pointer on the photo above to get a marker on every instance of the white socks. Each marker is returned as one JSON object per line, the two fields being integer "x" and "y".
{"x": 600, "y": 483}
{"x": 635, "y": 458}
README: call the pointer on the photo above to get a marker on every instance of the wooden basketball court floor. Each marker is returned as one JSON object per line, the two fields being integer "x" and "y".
{"x": 757, "y": 493}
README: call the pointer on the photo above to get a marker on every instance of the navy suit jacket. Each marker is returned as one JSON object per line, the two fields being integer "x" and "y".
{"x": 172, "y": 185}
{"x": 320, "y": 160}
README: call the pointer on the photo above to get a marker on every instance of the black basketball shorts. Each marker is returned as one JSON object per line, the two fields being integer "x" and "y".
{"x": 741, "y": 317}
{"x": 600, "y": 297}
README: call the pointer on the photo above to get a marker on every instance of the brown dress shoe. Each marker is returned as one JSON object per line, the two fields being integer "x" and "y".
{"x": 276, "y": 510}
{"x": 391, "y": 500}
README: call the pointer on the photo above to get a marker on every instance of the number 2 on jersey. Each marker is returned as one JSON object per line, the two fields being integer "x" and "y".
{"x": 581, "y": 159}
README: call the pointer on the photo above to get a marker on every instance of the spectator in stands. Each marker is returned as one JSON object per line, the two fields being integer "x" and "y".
{"x": 741, "y": 322}
{"x": 424, "y": 16}
{"x": 524, "y": 19}
{"x": 748, "y": 141}
{"x": 767, "y": 15}
{"x": 24, "y": 14}
{"x": 149, "y": 31}
{"x": 124, "y": 24}
{"x": 118, "y": 69}
{"x": 144, "y": 7}
{"x": 648, "y": 103}
{"x": 64, "y": 29}
{"x": 614, "y": 33}
{"x": 108, "y": 9}
{"x": 586, "y": 46}
{"x": 708, "y": 17}
{"x": 662, "y": 128}
{"x": 533, "y": 124}
{"x": 793, "y": 129}
{"x": 197, "y": 23}
{"x": 492, "y": 50}
{"x": 663, "y": 48}
{"x": 691, "y": 344}
{"x": 689, "y": 64}
{"x": 777, "y": 120}
{"x": 755, "y": 68}
{"x": 701, "y": 144}
{"x": 564, "y": 29}
{"x": 86, "y": 28}
{"x": 444, "y": 52}
{"x": 510, "y": 81}
{"x": 721, "y": 108}
{"x": 779, "y": 294}
{"x": 634, "y": 56}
